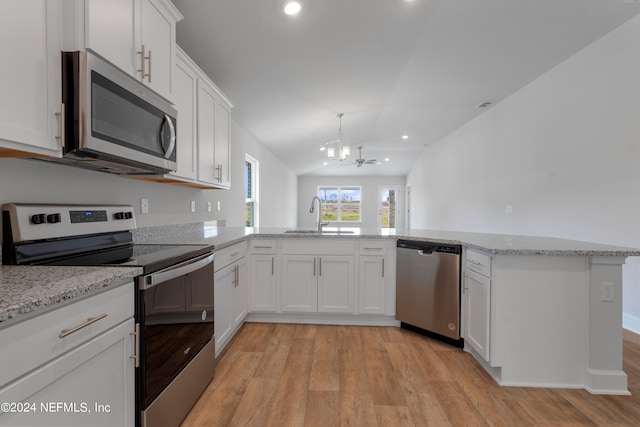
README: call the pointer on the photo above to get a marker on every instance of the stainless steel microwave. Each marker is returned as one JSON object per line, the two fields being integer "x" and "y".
{"x": 112, "y": 122}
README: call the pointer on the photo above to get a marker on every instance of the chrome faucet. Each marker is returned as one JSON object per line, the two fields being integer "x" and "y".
{"x": 320, "y": 223}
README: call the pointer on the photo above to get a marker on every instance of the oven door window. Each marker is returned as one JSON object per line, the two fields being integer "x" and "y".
{"x": 178, "y": 322}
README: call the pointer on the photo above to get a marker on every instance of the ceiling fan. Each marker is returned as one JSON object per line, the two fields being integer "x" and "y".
{"x": 361, "y": 161}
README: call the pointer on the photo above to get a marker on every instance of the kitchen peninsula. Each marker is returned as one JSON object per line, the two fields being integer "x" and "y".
{"x": 547, "y": 322}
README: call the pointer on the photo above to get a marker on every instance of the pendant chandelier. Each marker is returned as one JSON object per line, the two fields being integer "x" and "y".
{"x": 336, "y": 150}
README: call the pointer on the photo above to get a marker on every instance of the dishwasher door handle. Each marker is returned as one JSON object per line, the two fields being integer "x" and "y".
{"x": 423, "y": 253}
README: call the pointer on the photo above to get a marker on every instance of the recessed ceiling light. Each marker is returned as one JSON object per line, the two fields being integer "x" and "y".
{"x": 325, "y": 164}
{"x": 405, "y": 136}
{"x": 292, "y": 7}
{"x": 386, "y": 159}
{"x": 323, "y": 148}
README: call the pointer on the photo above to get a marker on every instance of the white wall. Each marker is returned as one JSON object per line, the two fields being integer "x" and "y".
{"x": 564, "y": 152}
{"x": 34, "y": 181}
{"x": 308, "y": 187}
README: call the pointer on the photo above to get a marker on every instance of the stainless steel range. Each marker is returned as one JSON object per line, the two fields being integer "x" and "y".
{"x": 174, "y": 302}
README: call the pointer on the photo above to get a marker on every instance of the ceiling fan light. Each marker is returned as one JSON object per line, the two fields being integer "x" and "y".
{"x": 331, "y": 153}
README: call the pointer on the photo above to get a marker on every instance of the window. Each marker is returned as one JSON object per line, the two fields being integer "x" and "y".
{"x": 340, "y": 203}
{"x": 250, "y": 191}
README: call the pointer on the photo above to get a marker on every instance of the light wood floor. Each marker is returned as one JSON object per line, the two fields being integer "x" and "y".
{"x": 308, "y": 375}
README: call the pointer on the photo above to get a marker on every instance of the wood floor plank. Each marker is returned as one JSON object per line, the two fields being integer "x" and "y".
{"x": 276, "y": 353}
{"x": 394, "y": 416}
{"x": 356, "y": 403}
{"x": 325, "y": 370}
{"x": 323, "y": 409}
{"x": 255, "y": 406}
{"x": 290, "y": 399}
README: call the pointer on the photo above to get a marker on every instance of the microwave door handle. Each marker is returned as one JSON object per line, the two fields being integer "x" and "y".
{"x": 172, "y": 139}
{"x": 170, "y": 273}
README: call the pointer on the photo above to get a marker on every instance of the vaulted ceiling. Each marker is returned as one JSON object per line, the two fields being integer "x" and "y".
{"x": 394, "y": 67}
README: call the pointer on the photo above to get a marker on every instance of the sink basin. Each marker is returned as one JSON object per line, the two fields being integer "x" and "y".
{"x": 317, "y": 232}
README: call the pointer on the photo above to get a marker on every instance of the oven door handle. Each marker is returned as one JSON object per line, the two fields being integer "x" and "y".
{"x": 189, "y": 266}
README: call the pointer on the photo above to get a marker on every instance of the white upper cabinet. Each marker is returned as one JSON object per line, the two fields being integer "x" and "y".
{"x": 186, "y": 84}
{"x": 30, "y": 78}
{"x": 137, "y": 36}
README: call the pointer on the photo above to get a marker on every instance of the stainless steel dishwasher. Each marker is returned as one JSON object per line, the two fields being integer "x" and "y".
{"x": 428, "y": 289}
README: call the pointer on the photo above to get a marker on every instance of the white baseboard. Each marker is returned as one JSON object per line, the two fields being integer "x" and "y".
{"x": 631, "y": 323}
{"x": 323, "y": 319}
{"x": 606, "y": 382}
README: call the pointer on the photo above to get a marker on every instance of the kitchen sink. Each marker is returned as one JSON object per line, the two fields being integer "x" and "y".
{"x": 317, "y": 232}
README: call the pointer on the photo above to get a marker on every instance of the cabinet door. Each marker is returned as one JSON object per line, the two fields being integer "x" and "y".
{"x": 223, "y": 142}
{"x": 110, "y": 31}
{"x": 157, "y": 34}
{"x": 185, "y": 100}
{"x": 95, "y": 381}
{"x": 335, "y": 284}
{"x": 263, "y": 283}
{"x": 239, "y": 293}
{"x": 206, "y": 133}
{"x": 222, "y": 301}
{"x": 299, "y": 283}
{"x": 30, "y": 42}
{"x": 372, "y": 285}
{"x": 478, "y": 312}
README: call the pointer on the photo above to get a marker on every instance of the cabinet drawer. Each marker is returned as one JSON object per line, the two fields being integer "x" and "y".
{"x": 373, "y": 247}
{"x": 479, "y": 262}
{"x": 263, "y": 246}
{"x": 229, "y": 255}
{"x": 317, "y": 247}
{"x": 33, "y": 342}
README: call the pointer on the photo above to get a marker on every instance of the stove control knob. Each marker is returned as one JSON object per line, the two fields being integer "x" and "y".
{"x": 38, "y": 218}
{"x": 123, "y": 215}
{"x": 54, "y": 218}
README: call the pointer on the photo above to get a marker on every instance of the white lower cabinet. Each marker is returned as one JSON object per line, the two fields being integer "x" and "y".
{"x": 85, "y": 378}
{"x": 230, "y": 293}
{"x": 376, "y": 278}
{"x": 321, "y": 284}
{"x": 264, "y": 276}
{"x": 477, "y": 289}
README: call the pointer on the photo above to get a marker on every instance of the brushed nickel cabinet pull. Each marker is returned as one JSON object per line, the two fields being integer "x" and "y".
{"x": 61, "y": 114}
{"x": 136, "y": 355}
{"x": 319, "y": 266}
{"x": 382, "y": 267}
{"x": 90, "y": 320}
{"x": 263, "y": 247}
{"x": 273, "y": 261}
{"x": 314, "y": 266}
{"x": 142, "y": 69}
{"x": 149, "y": 59}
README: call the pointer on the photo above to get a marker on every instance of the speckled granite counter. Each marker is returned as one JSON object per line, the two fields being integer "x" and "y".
{"x": 490, "y": 243}
{"x": 25, "y": 290}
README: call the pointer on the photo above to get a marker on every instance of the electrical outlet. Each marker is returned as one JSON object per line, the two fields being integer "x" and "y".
{"x": 218, "y": 206}
{"x": 193, "y": 206}
{"x": 144, "y": 206}
{"x": 208, "y": 206}
{"x": 607, "y": 291}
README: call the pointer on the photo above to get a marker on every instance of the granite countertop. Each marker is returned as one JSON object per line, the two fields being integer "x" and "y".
{"x": 498, "y": 244}
{"x": 25, "y": 290}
